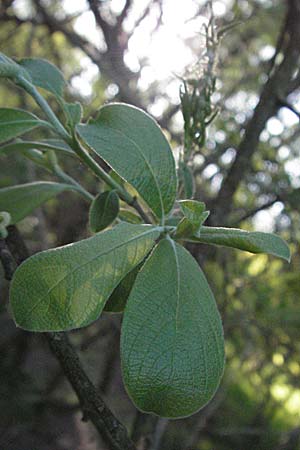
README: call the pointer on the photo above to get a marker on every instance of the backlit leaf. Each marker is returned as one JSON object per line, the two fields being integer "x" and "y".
{"x": 132, "y": 143}
{"x": 67, "y": 287}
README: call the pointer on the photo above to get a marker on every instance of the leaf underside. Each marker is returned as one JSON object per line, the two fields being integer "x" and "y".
{"x": 67, "y": 287}
{"x": 172, "y": 344}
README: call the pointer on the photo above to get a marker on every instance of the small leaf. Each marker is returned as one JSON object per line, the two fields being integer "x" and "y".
{"x": 172, "y": 345}
{"x": 132, "y": 143}
{"x": 67, "y": 287}
{"x": 49, "y": 144}
{"x": 117, "y": 301}
{"x": 44, "y": 75}
{"x": 186, "y": 228}
{"x": 192, "y": 209}
{"x": 253, "y": 242}
{"x": 22, "y": 199}
{"x": 73, "y": 112}
{"x": 103, "y": 211}
{"x": 195, "y": 215}
{"x": 14, "y": 122}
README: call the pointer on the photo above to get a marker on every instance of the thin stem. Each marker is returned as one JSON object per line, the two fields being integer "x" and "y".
{"x": 57, "y": 170}
{"x": 28, "y": 87}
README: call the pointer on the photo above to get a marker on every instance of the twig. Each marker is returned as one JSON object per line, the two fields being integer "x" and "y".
{"x": 13, "y": 250}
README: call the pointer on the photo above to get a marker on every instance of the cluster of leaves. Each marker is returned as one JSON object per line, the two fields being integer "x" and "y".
{"x": 172, "y": 345}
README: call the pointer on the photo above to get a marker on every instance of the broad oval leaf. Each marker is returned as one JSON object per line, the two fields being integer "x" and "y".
{"x": 172, "y": 344}
{"x": 66, "y": 287}
{"x": 253, "y": 242}
{"x": 132, "y": 143}
{"x": 14, "y": 122}
{"x": 22, "y": 199}
{"x": 104, "y": 210}
{"x": 44, "y": 74}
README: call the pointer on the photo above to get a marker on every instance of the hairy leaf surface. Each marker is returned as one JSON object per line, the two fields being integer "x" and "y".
{"x": 172, "y": 340}
{"x": 253, "y": 242}
{"x": 67, "y": 287}
{"x": 132, "y": 143}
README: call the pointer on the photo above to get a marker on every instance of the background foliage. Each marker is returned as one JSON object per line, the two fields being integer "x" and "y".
{"x": 248, "y": 178}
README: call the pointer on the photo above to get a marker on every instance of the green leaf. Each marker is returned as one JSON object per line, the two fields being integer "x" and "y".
{"x": 66, "y": 288}
{"x": 73, "y": 112}
{"x": 188, "y": 181}
{"x": 129, "y": 216}
{"x": 45, "y": 75}
{"x": 253, "y": 242}
{"x": 49, "y": 144}
{"x": 10, "y": 69}
{"x": 14, "y": 122}
{"x": 195, "y": 215}
{"x": 186, "y": 228}
{"x": 103, "y": 211}
{"x": 20, "y": 200}
{"x": 117, "y": 301}
{"x": 192, "y": 209}
{"x": 132, "y": 143}
{"x": 172, "y": 345}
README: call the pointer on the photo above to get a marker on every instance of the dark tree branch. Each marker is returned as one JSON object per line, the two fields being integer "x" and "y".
{"x": 279, "y": 85}
{"x": 254, "y": 211}
{"x": 124, "y": 13}
{"x": 13, "y": 250}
